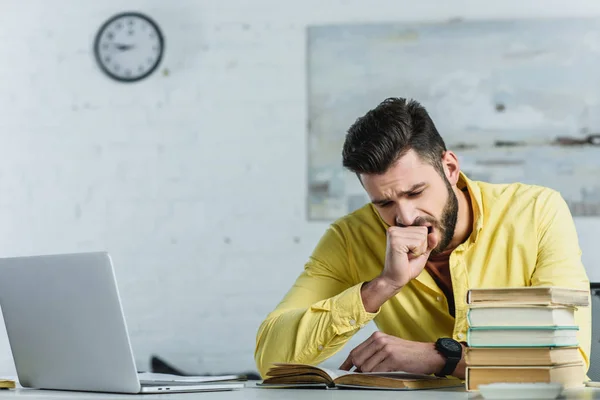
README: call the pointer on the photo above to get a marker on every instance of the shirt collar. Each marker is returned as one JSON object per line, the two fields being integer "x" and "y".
{"x": 476, "y": 202}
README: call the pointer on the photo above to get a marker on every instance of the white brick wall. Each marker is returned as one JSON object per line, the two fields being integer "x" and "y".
{"x": 195, "y": 180}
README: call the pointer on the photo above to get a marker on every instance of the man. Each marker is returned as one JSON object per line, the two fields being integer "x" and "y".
{"x": 409, "y": 257}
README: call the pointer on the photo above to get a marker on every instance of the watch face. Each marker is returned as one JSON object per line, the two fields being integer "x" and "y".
{"x": 129, "y": 47}
{"x": 451, "y": 345}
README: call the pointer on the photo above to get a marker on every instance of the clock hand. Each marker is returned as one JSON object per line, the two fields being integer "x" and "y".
{"x": 124, "y": 46}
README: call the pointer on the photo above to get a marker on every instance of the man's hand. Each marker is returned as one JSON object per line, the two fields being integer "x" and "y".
{"x": 384, "y": 353}
{"x": 407, "y": 251}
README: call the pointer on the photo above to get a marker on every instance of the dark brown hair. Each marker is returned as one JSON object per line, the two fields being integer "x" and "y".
{"x": 384, "y": 134}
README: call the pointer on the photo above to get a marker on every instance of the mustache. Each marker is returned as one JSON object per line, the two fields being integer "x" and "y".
{"x": 419, "y": 221}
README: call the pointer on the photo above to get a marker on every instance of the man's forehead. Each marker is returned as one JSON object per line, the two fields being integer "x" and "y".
{"x": 399, "y": 175}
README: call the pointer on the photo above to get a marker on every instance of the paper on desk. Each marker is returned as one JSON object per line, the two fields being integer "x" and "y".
{"x": 158, "y": 378}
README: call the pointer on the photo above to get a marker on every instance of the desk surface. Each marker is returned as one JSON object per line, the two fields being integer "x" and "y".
{"x": 251, "y": 392}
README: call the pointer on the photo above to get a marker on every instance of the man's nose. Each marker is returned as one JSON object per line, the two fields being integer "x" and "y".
{"x": 405, "y": 216}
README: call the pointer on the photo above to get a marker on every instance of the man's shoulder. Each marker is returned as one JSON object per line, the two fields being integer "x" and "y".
{"x": 522, "y": 193}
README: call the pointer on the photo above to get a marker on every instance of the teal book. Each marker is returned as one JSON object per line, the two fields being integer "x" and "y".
{"x": 522, "y": 336}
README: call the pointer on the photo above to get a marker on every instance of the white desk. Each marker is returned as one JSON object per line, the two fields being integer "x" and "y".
{"x": 253, "y": 393}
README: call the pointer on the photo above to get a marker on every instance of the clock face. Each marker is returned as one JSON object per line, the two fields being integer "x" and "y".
{"x": 129, "y": 47}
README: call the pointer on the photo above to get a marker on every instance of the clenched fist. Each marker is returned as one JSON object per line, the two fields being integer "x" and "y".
{"x": 407, "y": 252}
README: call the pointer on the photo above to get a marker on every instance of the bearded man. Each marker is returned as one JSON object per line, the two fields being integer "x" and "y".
{"x": 407, "y": 259}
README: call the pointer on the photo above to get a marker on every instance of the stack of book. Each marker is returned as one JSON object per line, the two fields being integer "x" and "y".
{"x": 524, "y": 335}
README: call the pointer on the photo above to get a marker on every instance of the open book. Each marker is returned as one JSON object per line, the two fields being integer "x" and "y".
{"x": 301, "y": 375}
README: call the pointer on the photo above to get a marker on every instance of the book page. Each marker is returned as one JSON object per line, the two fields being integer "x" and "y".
{"x": 335, "y": 373}
{"x": 338, "y": 372}
{"x": 393, "y": 374}
{"x": 402, "y": 375}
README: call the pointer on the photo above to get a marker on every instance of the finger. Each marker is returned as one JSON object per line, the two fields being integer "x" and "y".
{"x": 383, "y": 365}
{"x": 408, "y": 241}
{"x": 411, "y": 231}
{"x": 424, "y": 246}
{"x": 359, "y": 350}
{"x": 432, "y": 241}
{"x": 375, "y": 345}
{"x": 359, "y": 358}
{"x": 347, "y": 364}
{"x": 419, "y": 247}
{"x": 371, "y": 364}
{"x": 407, "y": 236}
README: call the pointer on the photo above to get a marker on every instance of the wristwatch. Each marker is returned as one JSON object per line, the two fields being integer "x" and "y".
{"x": 451, "y": 350}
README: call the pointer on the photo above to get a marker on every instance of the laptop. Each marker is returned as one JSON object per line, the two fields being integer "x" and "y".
{"x": 67, "y": 331}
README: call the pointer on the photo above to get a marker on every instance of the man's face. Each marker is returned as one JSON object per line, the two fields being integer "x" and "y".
{"x": 412, "y": 192}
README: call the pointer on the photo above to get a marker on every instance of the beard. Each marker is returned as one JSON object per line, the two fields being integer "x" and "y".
{"x": 447, "y": 223}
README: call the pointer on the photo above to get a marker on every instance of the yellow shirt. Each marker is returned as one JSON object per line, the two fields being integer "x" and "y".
{"x": 523, "y": 235}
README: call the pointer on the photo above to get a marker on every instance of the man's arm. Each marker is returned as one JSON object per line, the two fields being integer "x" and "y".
{"x": 382, "y": 353}
{"x": 559, "y": 259}
{"x": 319, "y": 314}
{"x": 325, "y": 307}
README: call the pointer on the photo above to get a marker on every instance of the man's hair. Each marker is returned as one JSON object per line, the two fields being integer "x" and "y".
{"x": 384, "y": 134}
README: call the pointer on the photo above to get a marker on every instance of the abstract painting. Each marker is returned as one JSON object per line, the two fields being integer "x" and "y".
{"x": 516, "y": 100}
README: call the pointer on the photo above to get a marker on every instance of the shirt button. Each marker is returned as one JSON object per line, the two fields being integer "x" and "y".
{"x": 320, "y": 347}
{"x": 438, "y": 298}
{"x": 352, "y": 322}
{"x": 460, "y": 335}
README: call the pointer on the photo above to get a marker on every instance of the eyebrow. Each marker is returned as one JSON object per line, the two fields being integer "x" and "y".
{"x": 414, "y": 187}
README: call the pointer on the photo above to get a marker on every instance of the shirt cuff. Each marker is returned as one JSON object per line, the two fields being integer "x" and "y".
{"x": 348, "y": 311}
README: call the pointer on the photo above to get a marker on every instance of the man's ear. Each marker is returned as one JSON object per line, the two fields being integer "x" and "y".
{"x": 451, "y": 167}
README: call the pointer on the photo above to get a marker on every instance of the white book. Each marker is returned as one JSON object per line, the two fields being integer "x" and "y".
{"x": 526, "y": 336}
{"x": 507, "y": 315}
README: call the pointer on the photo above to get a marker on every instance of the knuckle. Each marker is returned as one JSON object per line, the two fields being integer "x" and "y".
{"x": 382, "y": 340}
{"x": 393, "y": 236}
{"x": 377, "y": 335}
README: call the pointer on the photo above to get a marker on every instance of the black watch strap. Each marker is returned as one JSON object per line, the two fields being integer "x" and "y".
{"x": 451, "y": 350}
{"x": 451, "y": 363}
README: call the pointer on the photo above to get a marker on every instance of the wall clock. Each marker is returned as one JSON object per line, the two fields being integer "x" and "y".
{"x": 129, "y": 47}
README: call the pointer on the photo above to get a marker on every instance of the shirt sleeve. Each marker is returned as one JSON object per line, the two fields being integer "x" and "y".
{"x": 559, "y": 260}
{"x": 319, "y": 314}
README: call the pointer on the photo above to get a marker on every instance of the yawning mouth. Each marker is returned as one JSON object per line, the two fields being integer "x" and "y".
{"x": 429, "y": 229}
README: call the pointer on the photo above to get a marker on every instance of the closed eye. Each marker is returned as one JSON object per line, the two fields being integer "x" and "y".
{"x": 415, "y": 194}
